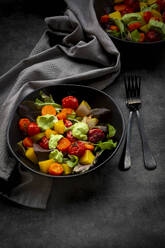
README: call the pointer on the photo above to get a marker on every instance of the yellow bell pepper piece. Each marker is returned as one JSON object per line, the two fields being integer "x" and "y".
{"x": 143, "y": 5}
{"x": 48, "y": 132}
{"x": 156, "y": 13}
{"x": 44, "y": 165}
{"x": 87, "y": 158}
{"x": 59, "y": 127}
{"x": 144, "y": 28}
{"x": 30, "y": 154}
{"x": 67, "y": 169}
{"x": 115, "y": 15}
{"x": 37, "y": 137}
{"x": 150, "y": 2}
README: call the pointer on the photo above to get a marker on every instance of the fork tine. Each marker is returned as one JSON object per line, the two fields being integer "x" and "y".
{"x": 132, "y": 85}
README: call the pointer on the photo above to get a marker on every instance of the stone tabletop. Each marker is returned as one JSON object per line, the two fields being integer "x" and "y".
{"x": 123, "y": 209}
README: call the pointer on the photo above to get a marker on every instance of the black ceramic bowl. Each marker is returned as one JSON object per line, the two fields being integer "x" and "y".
{"x": 95, "y": 98}
{"x": 140, "y": 52}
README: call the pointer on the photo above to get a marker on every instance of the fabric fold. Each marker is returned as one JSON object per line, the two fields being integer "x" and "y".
{"x": 74, "y": 49}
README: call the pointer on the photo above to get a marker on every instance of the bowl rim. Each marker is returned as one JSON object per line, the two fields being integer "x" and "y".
{"x": 72, "y": 175}
{"x": 136, "y": 43}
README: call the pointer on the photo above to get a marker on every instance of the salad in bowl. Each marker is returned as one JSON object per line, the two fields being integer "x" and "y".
{"x": 65, "y": 137}
{"x": 137, "y": 21}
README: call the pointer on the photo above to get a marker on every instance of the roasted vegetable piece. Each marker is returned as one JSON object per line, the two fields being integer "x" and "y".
{"x": 33, "y": 129}
{"x": 88, "y": 146}
{"x": 133, "y": 26}
{"x": 115, "y": 15}
{"x": 67, "y": 111}
{"x": 95, "y": 135}
{"x": 44, "y": 143}
{"x": 70, "y": 102}
{"x": 37, "y": 137}
{"x": 59, "y": 127}
{"x": 120, "y": 7}
{"x": 100, "y": 112}
{"x": 67, "y": 123}
{"x": 56, "y": 169}
{"x": 41, "y": 153}
{"x": 83, "y": 109}
{"x": 48, "y": 110}
{"x": 104, "y": 18}
{"x": 91, "y": 122}
{"x": 30, "y": 154}
{"x": 70, "y": 137}
{"x": 44, "y": 165}
{"x": 114, "y": 27}
{"x": 27, "y": 142}
{"x": 61, "y": 116}
{"x": 67, "y": 169}
{"x": 147, "y": 16}
{"x": 87, "y": 158}
{"x": 63, "y": 144}
{"x": 48, "y": 132}
{"x": 77, "y": 149}
{"x": 23, "y": 124}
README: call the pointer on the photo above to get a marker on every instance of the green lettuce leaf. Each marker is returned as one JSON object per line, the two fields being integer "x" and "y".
{"x": 47, "y": 100}
{"x": 72, "y": 162}
{"x": 111, "y": 131}
{"x": 107, "y": 145}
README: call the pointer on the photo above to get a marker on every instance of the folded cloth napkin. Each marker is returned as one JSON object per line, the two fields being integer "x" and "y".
{"x": 74, "y": 49}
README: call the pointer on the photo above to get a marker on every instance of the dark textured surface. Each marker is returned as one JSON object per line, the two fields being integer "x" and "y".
{"x": 120, "y": 209}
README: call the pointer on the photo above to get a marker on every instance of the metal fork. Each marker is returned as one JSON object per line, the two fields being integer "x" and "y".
{"x": 133, "y": 102}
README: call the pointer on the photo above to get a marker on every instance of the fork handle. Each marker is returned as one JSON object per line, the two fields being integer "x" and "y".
{"x": 149, "y": 160}
{"x": 127, "y": 158}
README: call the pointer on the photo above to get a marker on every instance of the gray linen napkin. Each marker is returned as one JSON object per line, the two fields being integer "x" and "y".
{"x": 74, "y": 49}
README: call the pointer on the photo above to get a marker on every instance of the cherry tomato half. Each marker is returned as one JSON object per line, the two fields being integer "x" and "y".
{"x": 95, "y": 135}
{"x": 27, "y": 142}
{"x": 44, "y": 143}
{"x": 77, "y": 149}
{"x": 33, "y": 129}
{"x": 67, "y": 123}
{"x": 23, "y": 124}
{"x": 70, "y": 102}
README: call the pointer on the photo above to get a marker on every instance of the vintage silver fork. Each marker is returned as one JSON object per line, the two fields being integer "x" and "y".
{"x": 133, "y": 102}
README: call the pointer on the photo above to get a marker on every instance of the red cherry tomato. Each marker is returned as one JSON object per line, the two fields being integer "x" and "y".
{"x": 44, "y": 143}
{"x": 152, "y": 36}
{"x": 33, "y": 129}
{"x": 23, "y": 124}
{"x": 70, "y": 137}
{"x": 127, "y": 11}
{"x": 95, "y": 135}
{"x": 27, "y": 142}
{"x": 68, "y": 123}
{"x": 77, "y": 149}
{"x": 70, "y": 102}
{"x": 147, "y": 16}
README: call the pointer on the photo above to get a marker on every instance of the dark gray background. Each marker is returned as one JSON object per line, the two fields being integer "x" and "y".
{"x": 123, "y": 209}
